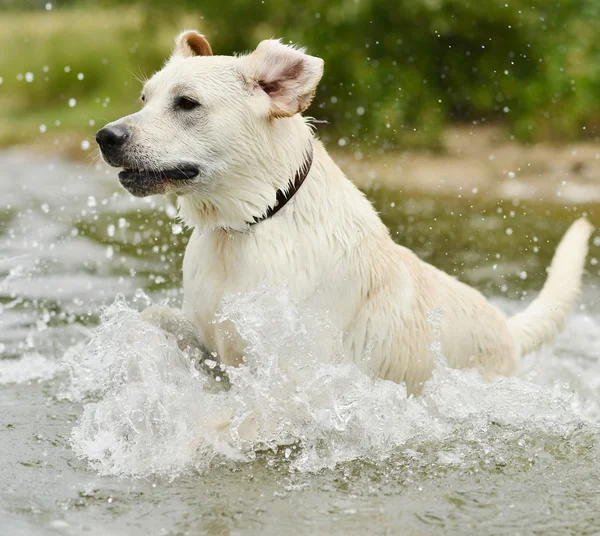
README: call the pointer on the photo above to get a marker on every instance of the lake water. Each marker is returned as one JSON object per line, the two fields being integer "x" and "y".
{"x": 106, "y": 429}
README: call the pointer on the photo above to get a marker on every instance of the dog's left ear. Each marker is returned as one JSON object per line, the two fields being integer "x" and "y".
{"x": 287, "y": 75}
{"x": 190, "y": 43}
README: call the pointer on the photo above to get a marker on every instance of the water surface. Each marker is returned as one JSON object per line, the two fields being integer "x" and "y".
{"x": 105, "y": 428}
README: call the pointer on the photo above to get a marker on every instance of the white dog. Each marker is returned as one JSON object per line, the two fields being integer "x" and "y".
{"x": 268, "y": 204}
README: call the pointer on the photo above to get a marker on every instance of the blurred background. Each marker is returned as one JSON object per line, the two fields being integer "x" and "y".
{"x": 397, "y": 75}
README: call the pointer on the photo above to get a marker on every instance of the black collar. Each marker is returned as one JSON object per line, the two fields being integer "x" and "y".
{"x": 283, "y": 196}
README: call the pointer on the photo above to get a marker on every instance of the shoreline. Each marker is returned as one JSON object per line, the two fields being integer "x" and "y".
{"x": 482, "y": 161}
{"x": 477, "y": 162}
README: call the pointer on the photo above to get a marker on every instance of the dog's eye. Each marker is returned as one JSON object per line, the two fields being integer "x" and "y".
{"x": 143, "y": 98}
{"x": 186, "y": 104}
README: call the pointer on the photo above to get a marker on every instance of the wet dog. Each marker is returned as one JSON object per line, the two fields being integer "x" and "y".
{"x": 268, "y": 204}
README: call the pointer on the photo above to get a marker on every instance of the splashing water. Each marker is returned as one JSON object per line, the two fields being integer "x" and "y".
{"x": 147, "y": 410}
{"x": 30, "y": 367}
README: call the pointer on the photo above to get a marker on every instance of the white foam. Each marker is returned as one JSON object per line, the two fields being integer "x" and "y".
{"x": 147, "y": 411}
{"x": 30, "y": 367}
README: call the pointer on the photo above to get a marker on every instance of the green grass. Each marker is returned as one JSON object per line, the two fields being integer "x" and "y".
{"x": 93, "y": 56}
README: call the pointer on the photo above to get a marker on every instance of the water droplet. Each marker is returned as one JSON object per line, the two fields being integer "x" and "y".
{"x": 171, "y": 211}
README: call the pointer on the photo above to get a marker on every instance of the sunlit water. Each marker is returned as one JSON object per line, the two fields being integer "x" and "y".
{"x": 106, "y": 428}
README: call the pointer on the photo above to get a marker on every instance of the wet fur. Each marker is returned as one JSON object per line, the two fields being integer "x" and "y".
{"x": 328, "y": 246}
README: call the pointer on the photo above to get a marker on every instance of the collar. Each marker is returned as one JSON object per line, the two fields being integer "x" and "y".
{"x": 283, "y": 196}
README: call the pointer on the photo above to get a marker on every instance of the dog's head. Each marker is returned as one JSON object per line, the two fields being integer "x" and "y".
{"x": 204, "y": 116}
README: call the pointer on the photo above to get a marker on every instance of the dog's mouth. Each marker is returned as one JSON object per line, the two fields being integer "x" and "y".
{"x": 143, "y": 182}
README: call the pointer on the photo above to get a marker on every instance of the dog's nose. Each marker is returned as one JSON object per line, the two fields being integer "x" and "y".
{"x": 112, "y": 137}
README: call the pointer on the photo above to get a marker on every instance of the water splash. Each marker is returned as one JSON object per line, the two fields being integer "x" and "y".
{"x": 30, "y": 367}
{"x": 148, "y": 411}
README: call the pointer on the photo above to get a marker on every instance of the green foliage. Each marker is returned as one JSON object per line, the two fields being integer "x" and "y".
{"x": 414, "y": 65}
{"x": 65, "y": 69}
{"x": 396, "y": 72}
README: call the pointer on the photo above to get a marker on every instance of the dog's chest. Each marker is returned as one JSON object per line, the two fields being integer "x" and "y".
{"x": 217, "y": 265}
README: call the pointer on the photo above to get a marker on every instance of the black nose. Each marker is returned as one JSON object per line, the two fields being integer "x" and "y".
{"x": 112, "y": 137}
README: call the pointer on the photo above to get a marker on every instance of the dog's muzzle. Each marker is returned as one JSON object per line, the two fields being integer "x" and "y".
{"x": 139, "y": 179}
{"x": 111, "y": 140}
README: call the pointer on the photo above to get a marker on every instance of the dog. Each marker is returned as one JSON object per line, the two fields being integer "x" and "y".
{"x": 268, "y": 204}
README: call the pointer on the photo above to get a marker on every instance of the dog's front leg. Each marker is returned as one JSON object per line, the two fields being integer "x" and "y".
{"x": 188, "y": 339}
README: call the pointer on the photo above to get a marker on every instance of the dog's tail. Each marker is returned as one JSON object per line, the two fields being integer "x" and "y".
{"x": 544, "y": 318}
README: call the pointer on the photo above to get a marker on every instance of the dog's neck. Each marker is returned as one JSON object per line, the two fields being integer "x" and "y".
{"x": 252, "y": 186}
{"x": 284, "y": 195}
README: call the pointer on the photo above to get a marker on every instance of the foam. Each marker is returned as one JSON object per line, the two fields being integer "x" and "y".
{"x": 30, "y": 367}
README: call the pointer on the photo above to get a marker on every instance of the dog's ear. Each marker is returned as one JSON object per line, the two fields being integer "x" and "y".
{"x": 287, "y": 75}
{"x": 191, "y": 43}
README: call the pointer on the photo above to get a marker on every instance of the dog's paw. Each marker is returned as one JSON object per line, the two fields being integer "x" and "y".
{"x": 186, "y": 337}
{"x": 174, "y": 323}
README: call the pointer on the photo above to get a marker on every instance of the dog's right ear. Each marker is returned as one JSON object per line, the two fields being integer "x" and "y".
{"x": 191, "y": 43}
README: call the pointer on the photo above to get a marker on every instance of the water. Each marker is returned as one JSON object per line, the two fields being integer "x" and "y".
{"x": 105, "y": 428}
